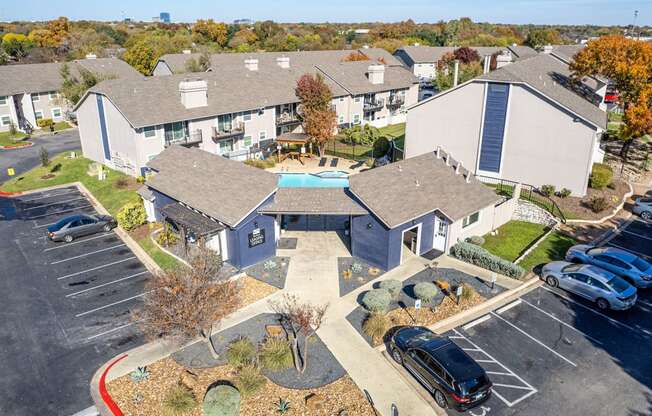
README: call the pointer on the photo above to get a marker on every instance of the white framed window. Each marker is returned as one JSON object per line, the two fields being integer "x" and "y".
{"x": 247, "y": 116}
{"x": 356, "y": 119}
{"x": 149, "y": 131}
{"x": 36, "y": 97}
{"x": 53, "y": 95}
{"x": 341, "y": 99}
{"x": 3, "y": 100}
{"x": 38, "y": 114}
{"x": 56, "y": 112}
{"x": 5, "y": 120}
{"x": 247, "y": 141}
{"x": 357, "y": 99}
{"x": 262, "y": 135}
{"x": 340, "y": 119}
{"x": 471, "y": 219}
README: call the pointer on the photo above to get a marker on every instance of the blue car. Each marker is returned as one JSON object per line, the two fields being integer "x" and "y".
{"x": 630, "y": 267}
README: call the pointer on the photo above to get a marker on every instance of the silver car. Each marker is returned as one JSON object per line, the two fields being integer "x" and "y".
{"x": 606, "y": 289}
{"x": 629, "y": 266}
{"x": 643, "y": 207}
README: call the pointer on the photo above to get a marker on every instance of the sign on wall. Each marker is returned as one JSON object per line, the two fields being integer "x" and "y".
{"x": 256, "y": 237}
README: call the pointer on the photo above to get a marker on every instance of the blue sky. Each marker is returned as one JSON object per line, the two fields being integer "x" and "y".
{"x": 602, "y": 12}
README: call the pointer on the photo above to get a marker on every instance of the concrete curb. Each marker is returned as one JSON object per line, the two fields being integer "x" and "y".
{"x": 610, "y": 216}
{"x": 535, "y": 245}
{"x": 166, "y": 251}
{"x": 25, "y": 146}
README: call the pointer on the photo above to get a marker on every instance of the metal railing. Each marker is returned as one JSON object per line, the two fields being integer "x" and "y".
{"x": 529, "y": 193}
{"x": 375, "y": 104}
{"x": 287, "y": 118}
{"x": 191, "y": 138}
{"x": 235, "y": 129}
{"x": 395, "y": 101}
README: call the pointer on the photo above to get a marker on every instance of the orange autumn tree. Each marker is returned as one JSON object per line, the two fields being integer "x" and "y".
{"x": 319, "y": 119}
{"x": 627, "y": 63}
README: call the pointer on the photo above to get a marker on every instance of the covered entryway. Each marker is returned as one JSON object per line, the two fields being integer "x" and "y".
{"x": 193, "y": 227}
{"x": 315, "y": 222}
{"x": 411, "y": 240}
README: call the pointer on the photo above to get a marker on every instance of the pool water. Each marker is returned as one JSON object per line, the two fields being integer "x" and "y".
{"x": 328, "y": 179}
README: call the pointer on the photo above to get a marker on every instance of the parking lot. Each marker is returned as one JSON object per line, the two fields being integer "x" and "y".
{"x": 635, "y": 237}
{"x": 69, "y": 304}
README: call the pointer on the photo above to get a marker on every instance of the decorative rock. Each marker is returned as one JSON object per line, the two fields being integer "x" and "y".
{"x": 274, "y": 331}
{"x": 526, "y": 211}
{"x": 314, "y": 401}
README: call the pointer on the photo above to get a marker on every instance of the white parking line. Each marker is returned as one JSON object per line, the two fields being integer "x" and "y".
{"x": 608, "y": 318}
{"x": 117, "y": 328}
{"x": 642, "y": 302}
{"x": 638, "y": 253}
{"x": 88, "y": 254}
{"x": 534, "y": 339}
{"x": 553, "y": 317}
{"x": 106, "y": 284}
{"x": 511, "y": 386}
{"x": 77, "y": 242}
{"x": 53, "y": 203}
{"x": 637, "y": 235}
{"x": 476, "y": 322}
{"x": 48, "y": 196}
{"x": 55, "y": 213}
{"x": 509, "y": 306}
{"x": 95, "y": 268}
{"x": 111, "y": 304}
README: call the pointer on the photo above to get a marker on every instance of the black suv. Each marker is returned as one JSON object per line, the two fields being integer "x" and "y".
{"x": 454, "y": 379}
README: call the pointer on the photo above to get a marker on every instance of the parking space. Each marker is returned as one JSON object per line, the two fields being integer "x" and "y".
{"x": 80, "y": 299}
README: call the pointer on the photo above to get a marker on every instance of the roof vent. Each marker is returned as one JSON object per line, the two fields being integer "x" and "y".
{"x": 458, "y": 168}
{"x": 547, "y": 49}
{"x": 438, "y": 152}
{"x": 251, "y": 64}
{"x": 283, "y": 61}
{"x": 91, "y": 56}
{"x": 186, "y": 51}
{"x": 448, "y": 159}
{"x": 376, "y": 74}
{"x": 416, "y": 182}
{"x": 194, "y": 93}
{"x": 468, "y": 176}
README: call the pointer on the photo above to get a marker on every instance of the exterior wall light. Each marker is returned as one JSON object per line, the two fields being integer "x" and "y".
{"x": 369, "y": 225}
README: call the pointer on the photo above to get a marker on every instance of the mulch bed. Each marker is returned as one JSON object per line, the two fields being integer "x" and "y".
{"x": 274, "y": 276}
{"x": 146, "y": 397}
{"x": 351, "y": 279}
{"x": 402, "y": 312}
{"x": 578, "y": 208}
{"x": 252, "y": 290}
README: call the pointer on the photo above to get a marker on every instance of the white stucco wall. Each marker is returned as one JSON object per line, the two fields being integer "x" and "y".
{"x": 161, "y": 68}
{"x": 122, "y": 141}
{"x": 89, "y": 129}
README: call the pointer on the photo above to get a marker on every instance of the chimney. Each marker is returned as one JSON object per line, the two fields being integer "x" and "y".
{"x": 487, "y": 64}
{"x": 456, "y": 74}
{"x": 186, "y": 51}
{"x": 91, "y": 56}
{"x": 438, "y": 152}
{"x": 283, "y": 62}
{"x": 547, "y": 49}
{"x": 251, "y": 64}
{"x": 194, "y": 93}
{"x": 505, "y": 58}
{"x": 376, "y": 74}
{"x": 458, "y": 168}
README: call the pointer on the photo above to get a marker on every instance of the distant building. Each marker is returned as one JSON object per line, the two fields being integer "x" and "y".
{"x": 164, "y": 17}
{"x": 156, "y": 19}
{"x": 243, "y": 22}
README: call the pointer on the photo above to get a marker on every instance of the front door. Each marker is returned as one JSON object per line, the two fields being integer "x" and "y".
{"x": 440, "y": 233}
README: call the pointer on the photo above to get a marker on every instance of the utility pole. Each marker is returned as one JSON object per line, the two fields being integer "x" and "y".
{"x": 635, "y": 35}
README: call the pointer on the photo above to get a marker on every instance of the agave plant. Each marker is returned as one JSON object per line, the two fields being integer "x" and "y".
{"x": 140, "y": 374}
{"x": 283, "y": 406}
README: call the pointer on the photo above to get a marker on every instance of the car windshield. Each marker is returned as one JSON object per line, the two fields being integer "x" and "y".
{"x": 472, "y": 385}
{"x": 618, "y": 284}
{"x": 572, "y": 268}
{"x": 62, "y": 223}
{"x": 596, "y": 251}
{"x": 641, "y": 264}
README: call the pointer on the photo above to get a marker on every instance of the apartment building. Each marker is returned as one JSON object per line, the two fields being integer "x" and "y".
{"x": 235, "y": 112}
{"x": 30, "y": 92}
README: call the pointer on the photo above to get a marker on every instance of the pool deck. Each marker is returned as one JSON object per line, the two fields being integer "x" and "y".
{"x": 312, "y": 166}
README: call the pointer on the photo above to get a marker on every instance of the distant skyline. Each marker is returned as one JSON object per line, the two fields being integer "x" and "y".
{"x": 596, "y": 12}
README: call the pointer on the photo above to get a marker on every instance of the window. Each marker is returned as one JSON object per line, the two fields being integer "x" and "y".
{"x": 53, "y": 95}
{"x": 341, "y": 99}
{"x": 56, "y": 113}
{"x": 340, "y": 120}
{"x": 247, "y": 141}
{"x": 226, "y": 146}
{"x": 493, "y": 130}
{"x": 580, "y": 277}
{"x": 36, "y": 97}
{"x": 356, "y": 119}
{"x": 262, "y": 135}
{"x": 471, "y": 219}
{"x": 3, "y": 100}
{"x": 357, "y": 99}
{"x": 247, "y": 116}
{"x": 598, "y": 284}
{"x": 38, "y": 114}
{"x": 5, "y": 120}
{"x": 150, "y": 131}
{"x": 619, "y": 263}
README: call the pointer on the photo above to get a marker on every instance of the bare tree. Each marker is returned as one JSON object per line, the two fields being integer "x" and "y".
{"x": 185, "y": 302}
{"x": 301, "y": 320}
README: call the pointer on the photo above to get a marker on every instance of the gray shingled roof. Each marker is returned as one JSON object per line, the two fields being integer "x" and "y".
{"x": 353, "y": 77}
{"x": 33, "y": 78}
{"x": 552, "y": 78}
{"x": 522, "y": 52}
{"x": 325, "y": 201}
{"x": 408, "y": 189}
{"x": 566, "y": 52}
{"x": 430, "y": 54}
{"x": 223, "y": 189}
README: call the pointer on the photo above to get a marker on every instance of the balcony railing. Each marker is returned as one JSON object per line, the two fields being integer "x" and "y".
{"x": 395, "y": 102}
{"x": 373, "y": 105}
{"x": 193, "y": 137}
{"x": 287, "y": 118}
{"x": 235, "y": 129}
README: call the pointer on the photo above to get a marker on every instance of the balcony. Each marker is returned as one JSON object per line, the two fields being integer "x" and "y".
{"x": 190, "y": 139}
{"x": 395, "y": 102}
{"x": 286, "y": 119}
{"x": 374, "y": 105}
{"x": 226, "y": 132}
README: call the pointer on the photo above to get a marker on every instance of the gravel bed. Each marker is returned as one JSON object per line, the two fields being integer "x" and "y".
{"x": 274, "y": 276}
{"x": 347, "y": 285}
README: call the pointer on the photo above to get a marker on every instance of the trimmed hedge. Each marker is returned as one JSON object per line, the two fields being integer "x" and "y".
{"x": 425, "y": 291}
{"x": 132, "y": 215}
{"x": 477, "y": 255}
{"x": 376, "y": 300}
{"x": 393, "y": 286}
{"x": 601, "y": 176}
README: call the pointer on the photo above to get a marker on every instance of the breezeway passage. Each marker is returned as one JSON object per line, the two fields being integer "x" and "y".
{"x": 71, "y": 304}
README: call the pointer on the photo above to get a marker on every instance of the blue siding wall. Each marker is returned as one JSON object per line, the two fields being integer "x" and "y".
{"x": 240, "y": 255}
{"x": 105, "y": 135}
{"x": 493, "y": 131}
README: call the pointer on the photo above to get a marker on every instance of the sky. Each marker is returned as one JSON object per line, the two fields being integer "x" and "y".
{"x": 598, "y": 12}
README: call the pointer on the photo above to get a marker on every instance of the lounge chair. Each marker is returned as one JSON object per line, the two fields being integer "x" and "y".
{"x": 334, "y": 162}
{"x": 322, "y": 162}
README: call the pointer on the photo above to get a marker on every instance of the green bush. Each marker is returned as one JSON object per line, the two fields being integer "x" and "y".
{"x": 564, "y": 193}
{"x": 222, "y": 400}
{"x": 381, "y": 147}
{"x": 476, "y": 239}
{"x": 44, "y": 156}
{"x": 425, "y": 291}
{"x": 140, "y": 179}
{"x": 179, "y": 400}
{"x": 45, "y": 122}
{"x": 468, "y": 292}
{"x": 261, "y": 163}
{"x": 547, "y": 190}
{"x": 393, "y": 286}
{"x": 598, "y": 204}
{"x": 477, "y": 255}
{"x": 249, "y": 380}
{"x": 276, "y": 354}
{"x": 375, "y": 326}
{"x": 376, "y": 300}
{"x": 601, "y": 176}
{"x": 132, "y": 215}
{"x": 166, "y": 238}
{"x": 241, "y": 352}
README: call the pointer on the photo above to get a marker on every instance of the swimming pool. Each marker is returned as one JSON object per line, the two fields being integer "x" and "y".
{"x": 328, "y": 179}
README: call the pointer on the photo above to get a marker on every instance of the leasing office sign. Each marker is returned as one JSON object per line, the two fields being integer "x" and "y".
{"x": 256, "y": 237}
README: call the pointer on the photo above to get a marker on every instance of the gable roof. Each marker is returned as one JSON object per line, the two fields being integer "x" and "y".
{"x": 433, "y": 54}
{"x": 413, "y": 187}
{"x": 352, "y": 76}
{"x": 326, "y": 201}
{"x": 566, "y": 52}
{"x": 552, "y": 78}
{"x": 223, "y": 189}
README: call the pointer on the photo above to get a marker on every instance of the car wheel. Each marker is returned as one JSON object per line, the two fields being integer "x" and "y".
{"x": 440, "y": 399}
{"x": 396, "y": 355}
{"x": 106, "y": 228}
{"x": 552, "y": 281}
{"x": 68, "y": 238}
{"x": 602, "y": 304}
{"x": 646, "y": 215}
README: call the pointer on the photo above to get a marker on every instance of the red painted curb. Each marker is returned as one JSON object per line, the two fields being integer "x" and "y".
{"x": 13, "y": 147}
{"x": 105, "y": 394}
{"x": 2, "y": 193}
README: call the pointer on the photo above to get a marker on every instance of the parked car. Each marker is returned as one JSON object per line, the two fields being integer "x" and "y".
{"x": 607, "y": 290}
{"x": 643, "y": 207}
{"x": 630, "y": 267}
{"x": 79, "y": 225}
{"x": 453, "y": 378}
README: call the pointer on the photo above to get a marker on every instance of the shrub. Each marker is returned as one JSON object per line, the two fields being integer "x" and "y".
{"x": 283, "y": 406}
{"x": 598, "y": 204}
{"x": 381, "y": 147}
{"x": 241, "y": 352}
{"x": 375, "y": 326}
{"x": 477, "y": 255}
{"x": 132, "y": 215}
{"x": 179, "y": 400}
{"x": 476, "y": 239}
{"x": 356, "y": 267}
{"x": 601, "y": 176}
{"x": 122, "y": 182}
{"x": 270, "y": 265}
{"x": 276, "y": 354}
{"x": 468, "y": 292}
{"x": 166, "y": 238}
{"x": 393, "y": 286}
{"x": 443, "y": 284}
{"x": 548, "y": 190}
{"x": 140, "y": 179}
{"x": 44, "y": 156}
{"x": 249, "y": 380}
{"x": 139, "y": 374}
{"x": 376, "y": 300}
{"x": 45, "y": 122}
{"x": 260, "y": 163}
{"x": 564, "y": 193}
{"x": 222, "y": 400}
{"x": 425, "y": 291}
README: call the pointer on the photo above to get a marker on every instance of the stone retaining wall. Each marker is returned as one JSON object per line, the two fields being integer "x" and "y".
{"x": 527, "y": 211}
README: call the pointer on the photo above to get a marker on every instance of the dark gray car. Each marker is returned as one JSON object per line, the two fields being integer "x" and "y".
{"x": 79, "y": 225}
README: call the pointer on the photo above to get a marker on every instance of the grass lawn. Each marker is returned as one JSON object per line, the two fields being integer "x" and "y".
{"x": 62, "y": 125}
{"x": 8, "y": 139}
{"x": 165, "y": 261}
{"x": 613, "y": 116}
{"x": 513, "y": 239}
{"x": 613, "y": 127}
{"x": 553, "y": 248}
{"x": 113, "y": 193}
